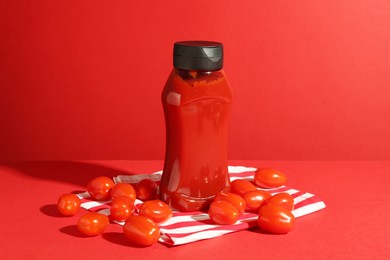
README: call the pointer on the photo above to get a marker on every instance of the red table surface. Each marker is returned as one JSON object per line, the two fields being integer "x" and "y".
{"x": 355, "y": 223}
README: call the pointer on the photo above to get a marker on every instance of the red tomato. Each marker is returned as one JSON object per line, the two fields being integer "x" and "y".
{"x": 269, "y": 178}
{"x": 275, "y": 219}
{"x": 68, "y": 204}
{"x": 241, "y": 186}
{"x": 155, "y": 210}
{"x": 255, "y": 199}
{"x": 282, "y": 199}
{"x": 234, "y": 199}
{"x": 123, "y": 189}
{"x": 146, "y": 190}
{"x": 121, "y": 208}
{"x": 141, "y": 231}
{"x": 223, "y": 212}
{"x": 92, "y": 223}
{"x": 100, "y": 188}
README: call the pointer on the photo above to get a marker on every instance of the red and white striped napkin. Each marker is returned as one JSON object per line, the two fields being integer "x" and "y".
{"x": 187, "y": 227}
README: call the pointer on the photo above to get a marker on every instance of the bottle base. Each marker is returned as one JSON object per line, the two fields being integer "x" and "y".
{"x": 185, "y": 203}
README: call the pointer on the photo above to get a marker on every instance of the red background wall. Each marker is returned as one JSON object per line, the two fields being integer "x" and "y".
{"x": 82, "y": 79}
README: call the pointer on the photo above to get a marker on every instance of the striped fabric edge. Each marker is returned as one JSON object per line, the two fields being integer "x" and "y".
{"x": 187, "y": 227}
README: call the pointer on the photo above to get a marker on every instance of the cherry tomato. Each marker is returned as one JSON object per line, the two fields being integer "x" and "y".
{"x": 241, "y": 186}
{"x": 275, "y": 219}
{"x": 141, "y": 231}
{"x": 100, "y": 188}
{"x": 282, "y": 199}
{"x": 155, "y": 210}
{"x": 269, "y": 178}
{"x": 68, "y": 204}
{"x": 121, "y": 208}
{"x": 146, "y": 190}
{"x": 92, "y": 223}
{"x": 234, "y": 199}
{"x": 223, "y": 212}
{"x": 255, "y": 199}
{"x": 123, "y": 189}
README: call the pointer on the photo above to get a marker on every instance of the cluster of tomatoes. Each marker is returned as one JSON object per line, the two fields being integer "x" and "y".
{"x": 142, "y": 228}
{"x": 274, "y": 211}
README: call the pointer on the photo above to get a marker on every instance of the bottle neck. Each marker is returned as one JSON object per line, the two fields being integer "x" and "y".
{"x": 194, "y": 74}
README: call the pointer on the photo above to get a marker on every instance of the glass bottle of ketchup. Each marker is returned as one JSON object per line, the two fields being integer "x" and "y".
{"x": 197, "y": 103}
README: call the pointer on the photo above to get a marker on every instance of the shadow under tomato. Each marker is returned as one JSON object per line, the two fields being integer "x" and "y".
{"x": 263, "y": 232}
{"x": 73, "y": 231}
{"x": 119, "y": 239}
{"x": 51, "y": 211}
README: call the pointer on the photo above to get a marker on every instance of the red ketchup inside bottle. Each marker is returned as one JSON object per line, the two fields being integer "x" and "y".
{"x": 197, "y": 102}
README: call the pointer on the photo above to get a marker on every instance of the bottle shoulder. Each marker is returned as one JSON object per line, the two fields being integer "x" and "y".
{"x": 192, "y": 86}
